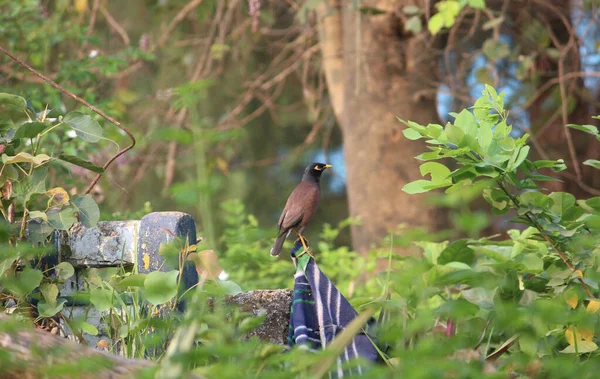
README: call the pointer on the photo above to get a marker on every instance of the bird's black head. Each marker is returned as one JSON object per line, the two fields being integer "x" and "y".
{"x": 314, "y": 170}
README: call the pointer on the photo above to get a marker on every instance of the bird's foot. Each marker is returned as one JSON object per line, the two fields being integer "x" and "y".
{"x": 305, "y": 249}
{"x": 305, "y": 252}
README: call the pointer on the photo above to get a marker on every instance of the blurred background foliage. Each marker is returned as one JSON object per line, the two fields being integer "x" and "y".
{"x": 152, "y": 65}
{"x": 230, "y": 99}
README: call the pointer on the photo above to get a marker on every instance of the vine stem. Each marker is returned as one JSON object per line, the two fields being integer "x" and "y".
{"x": 548, "y": 239}
{"x": 85, "y": 103}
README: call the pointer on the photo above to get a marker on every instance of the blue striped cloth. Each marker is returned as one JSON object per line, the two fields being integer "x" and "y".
{"x": 320, "y": 312}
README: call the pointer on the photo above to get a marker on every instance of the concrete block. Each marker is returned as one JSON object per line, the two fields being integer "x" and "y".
{"x": 155, "y": 229}
{"x": 111, "y": 243}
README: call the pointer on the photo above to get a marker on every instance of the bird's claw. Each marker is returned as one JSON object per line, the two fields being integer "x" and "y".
{"x": 305, "y": 249}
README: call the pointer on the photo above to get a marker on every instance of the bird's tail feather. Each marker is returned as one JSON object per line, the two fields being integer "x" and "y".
{"x": 279, "y": 244}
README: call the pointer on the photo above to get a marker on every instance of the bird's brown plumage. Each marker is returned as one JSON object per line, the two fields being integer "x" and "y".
{"x": 300, "y": 206}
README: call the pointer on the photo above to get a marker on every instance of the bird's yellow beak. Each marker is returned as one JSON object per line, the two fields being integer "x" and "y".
{"x": 328, "y": 166}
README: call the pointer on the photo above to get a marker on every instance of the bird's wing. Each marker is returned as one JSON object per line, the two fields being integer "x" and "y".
{"x": 295, "y": 207}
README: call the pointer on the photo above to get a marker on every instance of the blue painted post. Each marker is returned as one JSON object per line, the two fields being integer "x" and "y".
{"x": 155, "y": 229}
{"x": 160, "y": 228}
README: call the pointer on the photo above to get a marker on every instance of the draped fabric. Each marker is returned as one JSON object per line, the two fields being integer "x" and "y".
{"x": 320, "y": 312}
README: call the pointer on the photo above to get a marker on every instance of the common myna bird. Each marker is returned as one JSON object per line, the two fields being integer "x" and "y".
{"x": 300, "y": 206}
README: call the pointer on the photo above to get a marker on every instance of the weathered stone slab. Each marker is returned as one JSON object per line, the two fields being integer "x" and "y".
{"x": 276, "y": 304}
{"x": 111, "y": 243}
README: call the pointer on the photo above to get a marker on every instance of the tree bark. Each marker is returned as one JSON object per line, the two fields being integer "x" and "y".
{"x": 377, "y": 72}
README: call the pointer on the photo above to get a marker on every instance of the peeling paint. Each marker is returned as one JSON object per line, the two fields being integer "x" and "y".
{"x": 146, "y": 261}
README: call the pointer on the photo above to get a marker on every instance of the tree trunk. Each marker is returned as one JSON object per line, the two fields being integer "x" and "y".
{"x": 376, "y": 72}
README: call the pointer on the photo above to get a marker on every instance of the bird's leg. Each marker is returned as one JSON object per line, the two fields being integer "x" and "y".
{"x": 304, "y": 246}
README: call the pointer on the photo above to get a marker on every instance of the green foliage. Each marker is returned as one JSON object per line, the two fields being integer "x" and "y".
{"x": 32, "y": 143}
{"x": 448, "y": 10}
{"x": 537, "y": 290}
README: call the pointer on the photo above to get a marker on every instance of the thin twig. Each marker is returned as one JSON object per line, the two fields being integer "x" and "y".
{"x": 115, "y": 25}
{"x": 177, "y": 19}
{"x": 90, "y": 106}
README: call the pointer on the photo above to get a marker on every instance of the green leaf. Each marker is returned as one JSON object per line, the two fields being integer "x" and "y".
{"x": 519, "y": 156}
{"x": 38, "y": 232}
{"x": 495, "y": 197}
{"x": 564, "y": 206}
{"x": 417, "y": 186}
{"x": 466, "y": 121}
{"x": 436, "y": 23}
{"x": 49, "y": 292}
{"x": 89, "y": 213}
{"x": 88, "y": 328}
{"x": 9, "y": 99}
{"x": 231, "y": 288}
{"x": 64, "y": 270}
{"x": 24, "y": 157}
{"x": 30, "y": 185}
{"x": 582, "y": 347}
{"x": 411, "y": 134}
{"x": 492, "y": 23}
{"x": 101, "y": 298}
{"x": 49, "y": 310}
{"x": 478, "y": 4}
{"x": 439, "y": 172}
{"x": 455, "y": 134}
{"x": 591, "y": 129}
{"x": 135, "y": 280}
{"x": 483, "y": 297}
{"x": 532, "y": 262}
{"x": 535, "y": 201}
{"x": 6, "y": 261}
{"x": 482, "y": 109}
{"x": 592, "y": 204}
{"x": 84, "y": 126}
{"x": 439, "y": 178}
{"x": 38, "y": 214}
{"x": 457, "y": 251}
{"x": 557, "y": 165}
{"x": 30, "y": 130}
{"x": 432, "y": 250}
{"x": 160, "y": 287}
{"x": 593, "y": 163}
{"x": 81, "y": 163}
{"x": 62, "y": 220}
{"x": 497, "y": 253}
{"x": 484, "y": 137}
{"x": 414, "y": 25}
{"x": 24, "y": 282}
{"x": 495, "y": 50}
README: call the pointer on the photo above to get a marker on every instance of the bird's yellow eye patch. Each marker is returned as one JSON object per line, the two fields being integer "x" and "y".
{"x": 318, "y": 168}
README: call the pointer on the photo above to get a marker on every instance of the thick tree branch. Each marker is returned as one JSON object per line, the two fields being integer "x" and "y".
{"x": 329, "y": 24}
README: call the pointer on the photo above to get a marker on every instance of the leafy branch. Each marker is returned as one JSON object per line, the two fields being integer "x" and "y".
{"x": 533, "y": 222}
{"x": 88, "y": 105}
{"x": 481, "y": 142}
